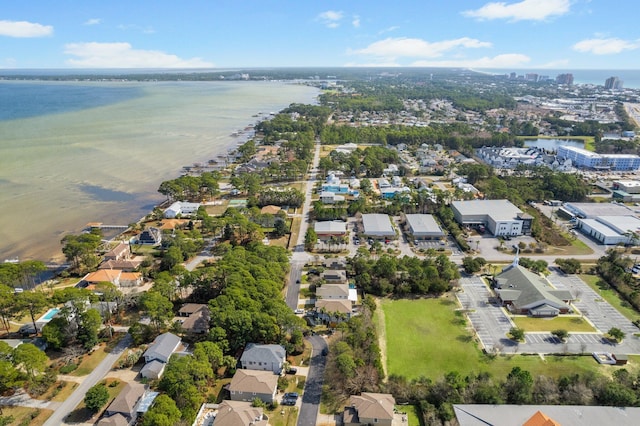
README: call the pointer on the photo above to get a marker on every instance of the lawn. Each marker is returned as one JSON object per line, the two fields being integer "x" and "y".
{"x": 577, "y": 247}
{"x": 413, "y": 419}
{"x": 90, "y": 362}
{"x": 428, "y": 338}
{"x": 611, "y": 296}
{"x": 26, "y": 416}
{"x": 572, "y": 324}
{"x": 295, "y": 231}
{"x": 60, "y": 391}
{"x": 283, "y": 416}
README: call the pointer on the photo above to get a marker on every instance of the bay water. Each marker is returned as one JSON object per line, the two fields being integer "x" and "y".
{"x": 79, "y": 152}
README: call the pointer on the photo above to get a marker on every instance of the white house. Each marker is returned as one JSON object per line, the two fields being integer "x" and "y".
{"x": 181, "y": 208}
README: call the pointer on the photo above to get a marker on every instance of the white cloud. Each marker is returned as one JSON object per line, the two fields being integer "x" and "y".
{"x": 606, "y": 46}
{"x": 388, "y": 30}
{"x": 507, "y": 60}
{"x": 356, "y": 21}
{"x": 525, "y": 10}
{"x": 92, "y": 21}
{"x": 330, "y": 18}
{"x": 392, "y": 48}
{"x": 24, "y": 29}
{"x": 133, "y": 27}
{"x": 122, "y": 55}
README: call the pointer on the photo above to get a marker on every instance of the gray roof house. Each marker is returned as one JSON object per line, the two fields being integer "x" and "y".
{"x": 263, "y": 357}
{"x": 333, "y": 291}
{"x": 162, "y": 348}
{"x": 126, "y": 403}
{"x": 247, "y": 385}
{"x": 153, "y": 370}
{"x": 334, "y": 276}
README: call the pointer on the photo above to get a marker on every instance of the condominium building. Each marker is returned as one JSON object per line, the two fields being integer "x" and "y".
{"x": 586, "y": 159}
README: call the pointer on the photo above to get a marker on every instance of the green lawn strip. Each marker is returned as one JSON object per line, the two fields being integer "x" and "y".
{"x": 572, "y": 324}
{"x": 90, "y": 362}
{"x": 426, "y": 338}
{"x": 413, "y": 419}
{"x": 612, "y": 297}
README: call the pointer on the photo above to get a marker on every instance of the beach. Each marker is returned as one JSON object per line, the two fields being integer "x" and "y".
{"x": 59, "y": 171}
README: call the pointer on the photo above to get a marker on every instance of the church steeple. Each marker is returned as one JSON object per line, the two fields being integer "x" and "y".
{"x": 516, "y": 258}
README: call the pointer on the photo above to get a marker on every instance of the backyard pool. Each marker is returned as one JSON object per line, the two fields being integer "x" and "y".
{"x": 50, "y": 314}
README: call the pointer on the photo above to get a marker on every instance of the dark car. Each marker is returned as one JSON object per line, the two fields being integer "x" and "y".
{"x": 291, "y": 395}
{"x": 325, "y": 351}
{"x": 288, "y": 401}
{"x": 291, "y": 371}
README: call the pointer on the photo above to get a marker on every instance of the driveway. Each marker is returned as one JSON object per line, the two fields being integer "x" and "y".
{"x": 58, "y": 416}
{"x": 313, "y": 386}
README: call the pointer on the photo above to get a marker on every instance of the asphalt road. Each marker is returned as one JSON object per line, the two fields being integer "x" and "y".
{"x": 313, "y": 385}
{"x": 58, "y": 416}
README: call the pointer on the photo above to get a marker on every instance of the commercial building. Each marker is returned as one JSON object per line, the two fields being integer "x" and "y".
{"x": 591, "y": 160}
{"x": 378, "y": 226}
{"x": 423, "y": 227}
{"x": 499, "y": 217}
{"x": 611, "y": 229}
{"x": 613, "y": 83}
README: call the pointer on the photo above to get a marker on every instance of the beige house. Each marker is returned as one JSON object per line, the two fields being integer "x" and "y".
{"x": 333, "y": 291}
{"x": 239, "y": 413}
{"x": 369, "y": 409}
{"x": 247, "y": 385}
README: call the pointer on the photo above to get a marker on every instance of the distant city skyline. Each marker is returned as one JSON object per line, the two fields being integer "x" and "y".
{"x": 510, "y": 34}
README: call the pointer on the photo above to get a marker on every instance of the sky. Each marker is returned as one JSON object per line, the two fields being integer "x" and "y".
{"x": 510, "y": 34}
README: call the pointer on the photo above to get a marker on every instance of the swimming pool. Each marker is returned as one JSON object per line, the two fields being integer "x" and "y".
{"x": 50, "y": 314}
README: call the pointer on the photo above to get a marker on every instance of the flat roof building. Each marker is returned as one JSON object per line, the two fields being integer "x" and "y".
{"x": 378, "y": 226}
{"x": 591, "y": 160}
{"x": 500, "y": 217}
{"x": 423, "y": 227}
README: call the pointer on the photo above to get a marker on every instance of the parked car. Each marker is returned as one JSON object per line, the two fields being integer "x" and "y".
{"x": 288, "y": 401}
{"x": 325, "y": 351}
{"x": 293, "y": 395}
{"x": 291, "y": 370}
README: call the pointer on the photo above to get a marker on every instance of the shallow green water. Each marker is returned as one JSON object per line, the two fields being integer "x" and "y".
{"x": 60, "y": 171}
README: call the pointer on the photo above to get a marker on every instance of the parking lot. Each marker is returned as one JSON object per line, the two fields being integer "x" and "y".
{"x": 492, "y": 323}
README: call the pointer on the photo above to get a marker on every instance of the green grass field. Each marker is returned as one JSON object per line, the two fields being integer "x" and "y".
{"x": 571, "y": 324}
{"x": 427, "y": 338}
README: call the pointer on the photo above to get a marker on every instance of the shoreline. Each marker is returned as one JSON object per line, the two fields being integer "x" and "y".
{"x": 214, "y": 146}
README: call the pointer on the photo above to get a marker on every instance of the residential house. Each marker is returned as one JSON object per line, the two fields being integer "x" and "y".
{"x": 247, "y": 385}
{"x": 331, "y": 197}
{"x": 125, "y": 405}
{"x": 333, "y": 310}
{"x": 334, "y": 276}
{"x": 150, "y": 236}
{"x": 197, "y": 319}
{"x": 263, "y": 357}
{"x": 333, "y": 291}
{"x": 121, "y": 252}
{"x": 190, "y": 309}
{"x": 162, "y": 348}
{"x": 115, "y": 276}
{"x": 198, "y": 322}
{"x": 369, "y": 409}
{"x": 153, "y": 370}
{"x": 128, "y": 265}
{"x": 181, "y": 208}
{"x": 239, "y": 413}
{"x": 334, "y": 263}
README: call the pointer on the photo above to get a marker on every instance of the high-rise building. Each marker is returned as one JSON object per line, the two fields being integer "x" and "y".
{"x": 613, "y": 83}
{"x": 565, "y": 79}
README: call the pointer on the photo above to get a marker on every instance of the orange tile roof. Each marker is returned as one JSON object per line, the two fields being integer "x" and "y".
{"x": 541, "y": 419}
{"x": 103, "y": 275}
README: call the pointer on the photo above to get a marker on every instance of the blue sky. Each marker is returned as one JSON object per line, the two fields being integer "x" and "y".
{"x": 510, "y": 34}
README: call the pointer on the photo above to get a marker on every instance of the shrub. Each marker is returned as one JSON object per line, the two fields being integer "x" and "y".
{"x": 96, "y": 397}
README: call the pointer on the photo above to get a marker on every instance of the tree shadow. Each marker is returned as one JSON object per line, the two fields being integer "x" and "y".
{"x": 79, "y": 415}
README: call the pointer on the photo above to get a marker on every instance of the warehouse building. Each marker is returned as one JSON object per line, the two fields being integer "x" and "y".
{"x": 423, "y": 227}
{"x": 378, "y": 226}
{"x": 499, "y": 217}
